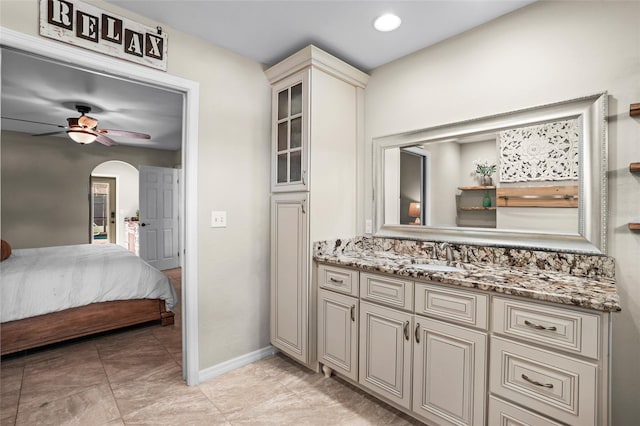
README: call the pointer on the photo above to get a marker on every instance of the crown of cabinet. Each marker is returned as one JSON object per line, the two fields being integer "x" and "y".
{"x": 311, "y": 56}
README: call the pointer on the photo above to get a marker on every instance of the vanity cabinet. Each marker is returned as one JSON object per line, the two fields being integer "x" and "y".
{"x": 429, "y": 367}
{"x": 338, "y": 332}
{"x": 317, "y": 126}
{"x": 385, "y": 352}
{"x": 551, "y": 361}
{"x": 449, "y": 373}
{"x": 453, "y": 356}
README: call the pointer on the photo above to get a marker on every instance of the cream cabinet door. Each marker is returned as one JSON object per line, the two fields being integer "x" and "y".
{"x": 289, "y": 274}
{"x": 338, "y": 332}
{"x": 449, "y": 373}
{"x": 385, "y": 352}
{"x": 290, "y": 133}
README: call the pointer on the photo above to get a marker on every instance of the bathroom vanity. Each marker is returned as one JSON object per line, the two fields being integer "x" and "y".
{"x": 509, "y": 336}
{"x": 463, "y": 309}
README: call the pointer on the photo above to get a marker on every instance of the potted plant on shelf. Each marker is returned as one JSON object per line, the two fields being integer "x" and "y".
{"x": 484, "y": 170}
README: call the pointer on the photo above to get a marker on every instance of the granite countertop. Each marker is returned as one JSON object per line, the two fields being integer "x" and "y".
{"x": 592, "y": 292}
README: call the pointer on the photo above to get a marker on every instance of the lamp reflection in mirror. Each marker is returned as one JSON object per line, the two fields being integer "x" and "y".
{"x": 80, "y": 135}
{"x": 414, "y": 211}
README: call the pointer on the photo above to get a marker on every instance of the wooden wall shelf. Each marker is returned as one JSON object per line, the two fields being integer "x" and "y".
{"x": 476, "y": 188}
{"x": 634, "y": 110}
{"x": 538, "y": 196}
{"x": 634, "y": 226}
{"x": 476, "y": 208}
{"x": 634, "y": 167}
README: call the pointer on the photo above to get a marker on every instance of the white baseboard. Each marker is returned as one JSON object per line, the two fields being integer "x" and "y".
{"x": 224, "y": 367}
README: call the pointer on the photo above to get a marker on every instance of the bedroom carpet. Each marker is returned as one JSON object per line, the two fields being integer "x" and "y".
{"x": 134, "y": 377}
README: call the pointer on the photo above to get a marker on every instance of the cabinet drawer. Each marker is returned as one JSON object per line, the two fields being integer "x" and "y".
{"x": 554, "y": 384}
{"x": 394, "y": 292}
{"x": 460, "y": 306}
{"x": 559, "y": 328}
{"x": 502, "y": 413}
{"x": 338, "y": 279}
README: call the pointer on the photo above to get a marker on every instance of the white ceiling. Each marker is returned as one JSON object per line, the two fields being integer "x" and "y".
{"x": 266, "y": 31}
{"x": 269, "y": 31}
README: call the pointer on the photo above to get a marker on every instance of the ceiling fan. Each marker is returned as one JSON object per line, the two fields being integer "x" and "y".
{"x": 85, "y": 130}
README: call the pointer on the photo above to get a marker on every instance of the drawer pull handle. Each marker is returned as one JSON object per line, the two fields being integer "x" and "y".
{"x": 533, "y": 382}
{"x": 417, "y": 333}
{"x": 538, "y": 327}
{"x": 406, "y": 330}
{"x": 353, "y": 313}
{"x": 335, "y": 280}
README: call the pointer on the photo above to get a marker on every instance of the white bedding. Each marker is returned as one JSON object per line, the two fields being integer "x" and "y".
{"x": 43, "y": 280}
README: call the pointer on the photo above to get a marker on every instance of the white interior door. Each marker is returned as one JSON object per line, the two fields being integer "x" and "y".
{"x": 159, "y": 242}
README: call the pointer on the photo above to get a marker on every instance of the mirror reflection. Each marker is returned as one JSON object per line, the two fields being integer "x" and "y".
{"x": 529, "y": 178}
{"x": 523, "y": 178}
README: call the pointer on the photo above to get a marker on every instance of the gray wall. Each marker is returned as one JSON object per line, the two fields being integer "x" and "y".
{"x": 546, "y": 52}
{"x": 45, "y": 186}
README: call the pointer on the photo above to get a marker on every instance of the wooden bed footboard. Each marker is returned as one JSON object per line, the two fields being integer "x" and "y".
{"x": 82, "y": 321}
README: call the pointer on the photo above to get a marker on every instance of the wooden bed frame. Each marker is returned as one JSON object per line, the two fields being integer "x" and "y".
{"x": 82, "y": 321}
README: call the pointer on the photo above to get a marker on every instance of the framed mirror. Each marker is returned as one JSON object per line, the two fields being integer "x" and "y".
{"x": 533, "y": 178}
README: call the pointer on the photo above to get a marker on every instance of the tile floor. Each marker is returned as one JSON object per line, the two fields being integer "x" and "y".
{"x": 134, "y": 377}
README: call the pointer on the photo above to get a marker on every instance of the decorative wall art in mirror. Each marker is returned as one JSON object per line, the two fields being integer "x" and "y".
{"x": 532, "y": 178}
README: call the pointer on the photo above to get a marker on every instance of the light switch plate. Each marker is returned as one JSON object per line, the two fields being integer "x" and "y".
{"x": 218, "y": 219}
{"x": 368, "y": 226}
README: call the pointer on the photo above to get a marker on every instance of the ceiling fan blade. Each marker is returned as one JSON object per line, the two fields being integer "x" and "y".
{"x": 124, "y": 134}
{"x": 36, "y": 122}
{"x": 104, "y": 140}
{"x": 58, "y": 132}
{"x": 87, "y": 121}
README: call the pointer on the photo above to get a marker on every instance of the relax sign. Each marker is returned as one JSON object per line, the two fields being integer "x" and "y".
{"x": 83, "y": 25}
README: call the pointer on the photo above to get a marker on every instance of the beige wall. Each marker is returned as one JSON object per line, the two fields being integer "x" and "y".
{"x": 233, "y": 175}
{"x": 546, "y": 52}
{"x": 45, "y": 186}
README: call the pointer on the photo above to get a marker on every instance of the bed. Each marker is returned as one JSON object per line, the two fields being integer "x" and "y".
{"x": 53, "y": 294}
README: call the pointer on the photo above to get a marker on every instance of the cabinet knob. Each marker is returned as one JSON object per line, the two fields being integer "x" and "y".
{"x": 143, "y": 224}
{"x": 417, "y": 333}
{"x": 353, "y": 313}
{"x": 406, "y": 330}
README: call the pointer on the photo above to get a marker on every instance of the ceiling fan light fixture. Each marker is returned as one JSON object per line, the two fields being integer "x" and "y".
{"x": 81, "y": 136}
{"x": 387, "y": 22}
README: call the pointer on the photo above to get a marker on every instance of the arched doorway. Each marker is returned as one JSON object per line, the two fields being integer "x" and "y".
{"x": 114, "y": 204}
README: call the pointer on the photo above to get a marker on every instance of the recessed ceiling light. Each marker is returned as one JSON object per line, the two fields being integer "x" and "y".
{"x": 387, "y": 22}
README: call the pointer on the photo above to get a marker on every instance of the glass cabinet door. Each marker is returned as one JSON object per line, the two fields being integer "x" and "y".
{"x": 290, "y": 166}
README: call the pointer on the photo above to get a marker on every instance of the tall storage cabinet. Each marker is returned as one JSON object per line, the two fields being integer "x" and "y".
{"x": 317, "y": 129}
{"x": 290, "y": 249}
